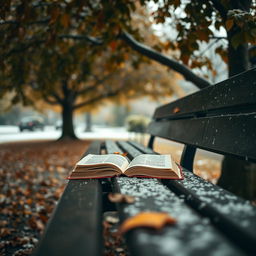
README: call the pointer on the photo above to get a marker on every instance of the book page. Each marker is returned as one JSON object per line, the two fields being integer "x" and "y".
{"x": 154, "y": 161}
{"x": 92, "y": 160}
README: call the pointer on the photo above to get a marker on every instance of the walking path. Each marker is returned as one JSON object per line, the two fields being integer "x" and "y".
{"x": 12, "y": 133}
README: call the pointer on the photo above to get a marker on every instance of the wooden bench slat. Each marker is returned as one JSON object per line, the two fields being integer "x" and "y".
{"x": 234, "y": 135}
{"x": 233, "y": 215}
{"x": 132, "y": 151}
{"x": 192, "y": 235}
{"x": 75, "y": 227}
{"x": 184, "y": 238}
{"x": 142, "y": 148}
{"x": 112, "y": 147}
{"x": 226, "y": 96}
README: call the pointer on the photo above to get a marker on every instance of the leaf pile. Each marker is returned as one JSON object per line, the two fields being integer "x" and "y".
{"x": 114, "y": 244}
{"x": 31, "y": 181}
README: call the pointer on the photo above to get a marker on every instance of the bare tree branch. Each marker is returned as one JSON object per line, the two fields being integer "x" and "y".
{"x": 220, "y": 8}
{"x": 47, "y": 98}
{"x": 97, "y": 98}
{"x": 24, "y": 47}
{"x": 92, "y": 87}
{"x": 51, "y": 102}
{"x": 219, "y": 37}
{"x": 15, "y": 22}
{"x": 8, "y": 22}
{"x": 57, "y": 97}
{"x": 90, "y": 39}
{"x": 173, "y": 64}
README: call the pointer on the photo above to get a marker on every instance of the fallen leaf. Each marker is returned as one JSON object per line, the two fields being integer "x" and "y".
{"x": 29, "y": 201}
{"x": 155, "y": 220}
{"x": 6, "y": 231}
{"x": 176, "y": 110}
{"x": 2, "y": 198}
{"x": 112, "y": 220}
{"x": 35, "y": 223}
{"x": 120, "y": 198}
{"x": 119, "y": 250}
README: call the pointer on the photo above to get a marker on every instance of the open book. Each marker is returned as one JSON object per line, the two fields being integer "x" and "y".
{"x": 146, "y": 165}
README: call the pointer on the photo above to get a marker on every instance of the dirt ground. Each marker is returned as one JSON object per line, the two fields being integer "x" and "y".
{"x": 32, "y": 178}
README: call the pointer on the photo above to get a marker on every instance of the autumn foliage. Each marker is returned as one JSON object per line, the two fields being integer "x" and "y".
{"x": 32, "y": 178}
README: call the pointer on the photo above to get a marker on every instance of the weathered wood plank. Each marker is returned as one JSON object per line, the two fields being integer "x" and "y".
{"x": 142, "y": 148}
{"x": 231, "y": 214}
{"x": 234, "y": 135}
{"x": 112, "y": 147}
{"x": 234, "y": 95}
{"x": 191, "y": 236}
{"x": 132, "y": 151}
{"x": 75, "y": 227}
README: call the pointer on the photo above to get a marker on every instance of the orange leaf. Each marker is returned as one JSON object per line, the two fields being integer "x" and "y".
{"x": 65, "y": 20}
{"x": 155, "y": 220}
{"x": 202, "y": 35}
{"x": 185, "y": 58}
{"x": 229, "y": 24}
{"x": 176, "y": 110}
{"x": 122, "y": 154}
{"x": 113, "y": 45}
{"x": 120, "y": 198}
{"x": 29, "y": 201}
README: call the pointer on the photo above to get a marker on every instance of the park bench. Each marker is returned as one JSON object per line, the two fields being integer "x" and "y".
{"x": 210, "y": 220}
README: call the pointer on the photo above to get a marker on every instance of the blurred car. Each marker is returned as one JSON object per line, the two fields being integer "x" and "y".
{"x": 31, "y": 123}
{"x": 58, "y": 125}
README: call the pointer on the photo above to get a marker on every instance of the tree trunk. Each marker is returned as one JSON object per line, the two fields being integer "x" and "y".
{"x": 88, "y": 122}
{"x": 67, "y": 122}
{"x": 238, "y": 176}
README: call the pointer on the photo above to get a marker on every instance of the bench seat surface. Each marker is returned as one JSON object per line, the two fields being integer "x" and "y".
{"x": 75, "y": 226}
{"x": 200, "y": 208}
{"x": 193, "y": 233}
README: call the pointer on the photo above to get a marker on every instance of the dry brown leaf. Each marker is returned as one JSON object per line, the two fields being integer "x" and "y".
{"x": 6, "y": 231}
{"x": 35, "y": 223}
{"x": 29, "y": 201}
{"x": 120, "y": 198}
{"x": 176, "y": 110}
{"x": 155, "y": 220}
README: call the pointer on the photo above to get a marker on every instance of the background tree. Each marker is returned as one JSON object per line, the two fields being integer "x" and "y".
{"x": 73, "y": 76}
{"x": 102, "y": 23}
{"x": 53, "y": 58}
{"x": 196, "y": 22}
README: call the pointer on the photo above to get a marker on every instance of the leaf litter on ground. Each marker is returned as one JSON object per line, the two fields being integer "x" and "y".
{"x": 32, "y": 179}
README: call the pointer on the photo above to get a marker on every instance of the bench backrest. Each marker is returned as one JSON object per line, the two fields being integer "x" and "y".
{"x": 220, "y": 118}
